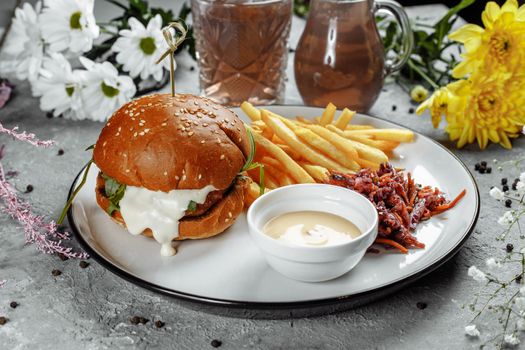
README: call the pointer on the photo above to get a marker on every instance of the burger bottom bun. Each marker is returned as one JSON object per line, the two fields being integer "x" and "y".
{"x": 216, "y": 220}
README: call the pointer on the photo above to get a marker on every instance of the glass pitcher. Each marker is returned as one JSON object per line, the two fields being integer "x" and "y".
{"x": 340, "y": 57}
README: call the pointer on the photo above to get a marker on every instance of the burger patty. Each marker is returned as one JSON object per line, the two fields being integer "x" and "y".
{"x": 212, "y": 198}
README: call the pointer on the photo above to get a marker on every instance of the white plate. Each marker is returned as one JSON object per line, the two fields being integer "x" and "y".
{"x": 229, "y": 269}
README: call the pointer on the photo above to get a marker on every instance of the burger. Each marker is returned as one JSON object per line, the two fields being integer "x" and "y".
{"x": 169, "y": 167}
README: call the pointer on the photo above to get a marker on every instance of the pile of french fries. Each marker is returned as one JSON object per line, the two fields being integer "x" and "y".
{"x": 305, "y": 151}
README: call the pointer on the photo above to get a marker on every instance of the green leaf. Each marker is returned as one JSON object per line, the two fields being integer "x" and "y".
{"x": 192, "y": 206}
{"x": 443, "y": 26}
{"x": 140, "y": 5}
{"x": 75, "y": 192}
{"x": 116, "y": 3}
{"x": 184, "y": 11}
{"x": 252, "y": 150}
{"x": 114, "y": 192}
{"x": 90, "y": 147}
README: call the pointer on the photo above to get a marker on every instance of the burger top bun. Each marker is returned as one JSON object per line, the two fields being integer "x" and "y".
{"x": 164, "y": 143}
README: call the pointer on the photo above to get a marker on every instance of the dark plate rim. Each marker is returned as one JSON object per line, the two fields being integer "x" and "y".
{"x": 354, "y": 298}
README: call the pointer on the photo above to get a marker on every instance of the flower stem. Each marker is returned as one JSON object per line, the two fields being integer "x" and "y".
{"x": 423, "y": 74}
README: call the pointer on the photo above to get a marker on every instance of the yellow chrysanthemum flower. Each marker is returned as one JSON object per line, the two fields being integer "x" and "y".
{"x": 499, "y": 45}
{"x": 493, "y": 110}
{"x": 442, "y": 102}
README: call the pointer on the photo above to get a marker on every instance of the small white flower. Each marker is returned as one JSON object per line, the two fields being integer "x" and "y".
{"x": 472, "y": 331}
{"x": 59, "y": 87}
{"x": 492, "y": 263}
{"x": 69, "y": 24}
{"x": 520, "y": 303}
{"x": 520, "y": 187}
{"x": 507, "y": 218}
{"x": 23, "y": 49}
{"x": 520, "y": 324}
{"x": 511, "y": 339}
{"x": 477, "y": 274}
{"x": 496, "y": 193}
{"x": 104, "y": 90}
{"x": 139, "y": 47}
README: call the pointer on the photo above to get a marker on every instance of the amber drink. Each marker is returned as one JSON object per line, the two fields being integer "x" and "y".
{"x": 242, "y": 49}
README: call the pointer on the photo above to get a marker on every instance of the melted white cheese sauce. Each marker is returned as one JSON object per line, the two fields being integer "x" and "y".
{"x": 158, "y": 211}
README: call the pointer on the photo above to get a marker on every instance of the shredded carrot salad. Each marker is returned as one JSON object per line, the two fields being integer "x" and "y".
{"x": 400, "y": 202}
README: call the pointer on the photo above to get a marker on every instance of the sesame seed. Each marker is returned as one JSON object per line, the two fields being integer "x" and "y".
{"x": 131, "y": 114}
{"x": 219, "y": 140}
{"x": 125, "y": 155}
{"x": 117, "y": 134}
{"x": 205, "y": 124}
{"x": 200, "y": 176}
{"x": 203, "y": 141}
{"x": 135, "y": 134}
{"x": 143, "y": 110}
{"x": 177, "y": 178}
{"x": 141, "y": 133}
{"x": 183, "y": 128}
{"x": 146, "y": 130}
{"x": 196, "y": 103}
{"x": 165, "y": 173}
{"x": 230, "y": 214}
{"x": 240, "y": 140}
{"x": 190, "y": 133}
{"x": 164, "y": 124}
{"x": 150, "y": 104}
{"x": 183, "y": 177}
{"x": 222, "y": 156}
{"x": 226, "y": 220}
{"x": 127, "y": 170}
{"x": 104, "y": 144}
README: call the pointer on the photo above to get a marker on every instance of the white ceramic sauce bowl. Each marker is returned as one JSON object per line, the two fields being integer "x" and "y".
{"x": 319, "y": 263}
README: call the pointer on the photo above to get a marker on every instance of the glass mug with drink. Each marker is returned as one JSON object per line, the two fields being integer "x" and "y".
{"x": 340, "y": 57}
{"x": 242, "y": 48}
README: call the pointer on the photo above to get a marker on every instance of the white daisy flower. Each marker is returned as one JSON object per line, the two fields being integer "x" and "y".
{"x": 59, "y": 87}
{"x": 103, "y": 89}
{"x": 477, "y": 274}
{"x": 23, "y": 49}
{"x": 512, "y": 339}
{"x": 496, "y": 193}
{"x": 471, "y": 330}
{"x": 139, "y": 47}
{"x": 69, "y": 24}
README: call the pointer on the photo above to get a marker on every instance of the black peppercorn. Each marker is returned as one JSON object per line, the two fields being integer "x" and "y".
{"x": 508, "y": 202}
{"x": 504, "y": 181}
{"x": 138, "y": 319}
{"x": 477, "y": 166}
{"x": 60, "y": 152}
{"x": 489, "y": 170}
{"x": 83, "y": 264}
{"x": 483, "y": 163}
{"x": 411, "y": 110}
{"x": 192, "y": 68}
{"x": 29, "y": 188}
{"x": 505, "y": 188}
{"x": 482, "y": 170}
{"x": 62, "y": 257}
{"x": 394, "y": 107}
{"x": 421, "y": 306}
{"x": 514, "y": 186}
{"x": 159, "y": 324}
{"x": 216, "y": 343}
{"x": 56, "y": 272}
{"x": 13, "y": 304}
{"x": 3, "y": 320}
{"x": 509, "y": 247}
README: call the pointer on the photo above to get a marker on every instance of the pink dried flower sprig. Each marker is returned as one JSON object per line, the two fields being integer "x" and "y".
{"x": 45, "y": 235}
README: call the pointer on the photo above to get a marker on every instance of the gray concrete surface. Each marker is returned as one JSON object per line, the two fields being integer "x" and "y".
{"x": 90, "y": 308}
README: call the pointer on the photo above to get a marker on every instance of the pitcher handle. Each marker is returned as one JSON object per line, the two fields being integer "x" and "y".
{"x": 407, "y": 44}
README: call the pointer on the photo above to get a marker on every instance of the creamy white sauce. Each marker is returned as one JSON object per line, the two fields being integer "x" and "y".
{"x": 311, "y": 228}
{"x": 159, "y": 211}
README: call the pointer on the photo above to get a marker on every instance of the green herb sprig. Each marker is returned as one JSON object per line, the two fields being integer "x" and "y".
{"x": 250, "y": 164}
{"x": 114, "y": 192}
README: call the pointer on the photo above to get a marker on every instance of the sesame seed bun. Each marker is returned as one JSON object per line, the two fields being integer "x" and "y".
{"x": 164, "y": 143}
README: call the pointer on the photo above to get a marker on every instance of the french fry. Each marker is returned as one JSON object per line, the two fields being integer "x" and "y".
{"x": 276, "y": 139}
{"x": 397, "y": 135}
{"x": 270, "y": 181}
{"x": 316, "y": 141}
{"x": 358, "y": 127}
{"x": 303, "y": 120}
{"x": 294, "y": 169}
{"x": 328, "y": 114}
{"x": 290, "y": 151}
{"x": 253, "y": 113}
{"x": 317, "y": 120}
{"x": 364, "y": 151}
{"x": 367, "y": 140}
{"x": 344, "y": 118}
{"x": 367, "y": 164}
{"x": 319, "y": 173}
{"x": 338, "y": 141}
{"x": 285, "y": 180}
{"x": 274, "y": 163}
{"x": 288, "y": 136}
